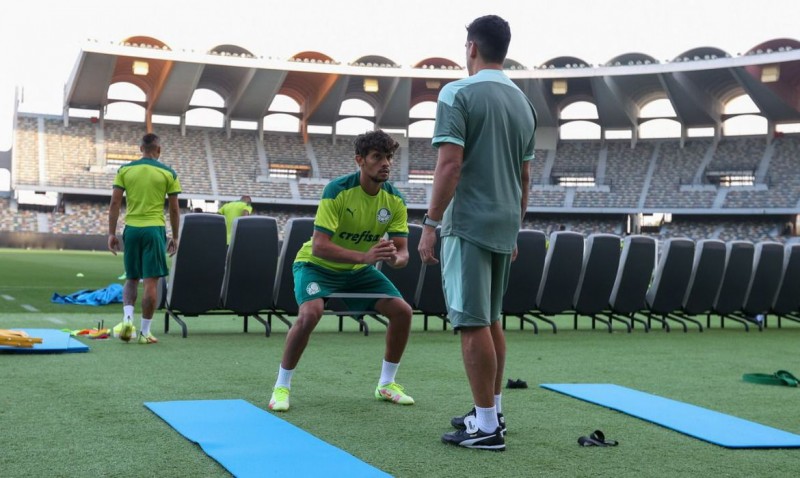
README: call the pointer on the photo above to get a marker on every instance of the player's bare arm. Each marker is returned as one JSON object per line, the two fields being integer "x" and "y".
{"x": 525, "y": 184}
{"x": 400, "y": 258}
{"x": 324, "y": 248}
{"x": 113, "y": 217}
{"x": 174, "y": 222}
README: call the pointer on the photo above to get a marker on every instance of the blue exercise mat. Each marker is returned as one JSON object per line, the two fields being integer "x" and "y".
{"x": 714, "y": 427}
{"x": 53, "y": 341}
{"x": 249, "y": 441}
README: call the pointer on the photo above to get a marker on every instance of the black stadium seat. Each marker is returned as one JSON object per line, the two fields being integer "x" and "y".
{"x": 524, "y": 277}
{"x": 598, "y": 272}
{"x": 738, "y": 270}
{"x": 671, "y": 280}
{"x": 249, "y": 280}
{"x": 195, "y": 278}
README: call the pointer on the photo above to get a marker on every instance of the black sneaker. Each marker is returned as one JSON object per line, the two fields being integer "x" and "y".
{"x": 458, "y": 422}
{"x": 473, "y": 437}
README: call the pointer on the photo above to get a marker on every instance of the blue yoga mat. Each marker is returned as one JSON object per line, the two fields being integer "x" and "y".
{"x": 714, "y": 427}
{"x": 249, "y": 441}
{"x": 53, "y": 341}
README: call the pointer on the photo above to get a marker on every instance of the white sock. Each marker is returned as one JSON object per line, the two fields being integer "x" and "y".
{"x": 498, "y": 403}
{"x": 487, "y": 419}
{"x": 284, "y": 378}
{"x": 127, "y": 313}
{"x": 146, "y": 326}
{"x": 388, "y": 371}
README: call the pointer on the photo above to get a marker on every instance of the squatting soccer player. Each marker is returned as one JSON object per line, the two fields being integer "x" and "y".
{"x": 354, "y": 214}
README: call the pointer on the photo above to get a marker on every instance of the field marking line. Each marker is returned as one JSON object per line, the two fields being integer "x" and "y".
{"x": 30, "y": 308}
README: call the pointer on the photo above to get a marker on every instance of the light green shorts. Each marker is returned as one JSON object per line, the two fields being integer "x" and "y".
{"x": 474, "y": 281}
{"x": 314, "y": 282}
{"x": 145, "y": 252}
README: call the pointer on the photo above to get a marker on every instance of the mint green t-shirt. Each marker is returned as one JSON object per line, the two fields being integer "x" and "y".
{"x": 494, "y": 122}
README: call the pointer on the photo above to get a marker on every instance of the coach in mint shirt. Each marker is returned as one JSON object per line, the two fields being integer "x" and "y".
{"x": 466, "y": 116}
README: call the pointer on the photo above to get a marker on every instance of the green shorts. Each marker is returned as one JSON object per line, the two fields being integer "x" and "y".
{"x": 145, "y": 252}
{"x": 314, "y": 282}
{"x": 474, "y": 280}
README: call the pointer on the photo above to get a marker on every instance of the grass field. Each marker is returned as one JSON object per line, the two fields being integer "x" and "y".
{"x": 83, "y": 415}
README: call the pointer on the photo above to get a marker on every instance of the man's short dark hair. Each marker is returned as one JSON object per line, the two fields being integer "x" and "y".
{"x": 492, "y": 35}
{"x": 150, "y": 141}
{"x": 375, "y": 140}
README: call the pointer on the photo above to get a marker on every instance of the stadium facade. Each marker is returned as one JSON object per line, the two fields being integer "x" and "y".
{"x": 734, "y": 183}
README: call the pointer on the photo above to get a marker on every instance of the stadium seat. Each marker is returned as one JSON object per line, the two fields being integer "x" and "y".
{"x": 708, "y": 267}
{"x": 429, "y": 297}
{"x": 195, "y": 278}
{"x": 738, "y": 271}
{"x": 296, "y": 232}
{"x": 635, "y": 270}
{"x": 765, "y": 280}
{"x": 405, "y": 279}
{"x": 561, "y": 273}
{"x": 598, "y": 272}
{"x": 671, "y": 280}
{"x": 787, "y": 300}
{"x": 249, "y": 280}
{"x": 524, "y": 277}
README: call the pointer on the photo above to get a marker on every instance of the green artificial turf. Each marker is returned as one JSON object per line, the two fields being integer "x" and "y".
{"x": 82, "y": 414}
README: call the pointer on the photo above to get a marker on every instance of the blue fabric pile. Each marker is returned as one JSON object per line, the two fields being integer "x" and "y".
{"x": 110, "y": 295}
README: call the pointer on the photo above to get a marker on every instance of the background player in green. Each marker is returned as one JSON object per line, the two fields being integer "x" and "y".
{"x": 144, "y": 183}
{"x": 354, "y": 213}
{"x": 235, "y": 209}
{"x": 484, "y": 133}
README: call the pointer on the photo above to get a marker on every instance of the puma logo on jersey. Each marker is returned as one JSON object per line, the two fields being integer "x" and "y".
{"x": 351, "y": 211}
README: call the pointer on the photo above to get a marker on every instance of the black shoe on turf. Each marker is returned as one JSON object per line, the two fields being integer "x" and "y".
{"x": 458, "y": 422}
{"x": 473, "y": 437}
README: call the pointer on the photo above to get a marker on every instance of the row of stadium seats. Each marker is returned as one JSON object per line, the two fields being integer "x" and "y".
{"x": 90, "y": 217}
{"x": 603, "y": 277}
{"x": 594, "y": 277}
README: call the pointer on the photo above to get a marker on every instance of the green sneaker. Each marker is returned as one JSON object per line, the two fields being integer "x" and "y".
{"x": 279, "y": 402}
{"x": 147, "y": 339}
{"x": 393, "y": 392}
{"x": 124, "y": 330}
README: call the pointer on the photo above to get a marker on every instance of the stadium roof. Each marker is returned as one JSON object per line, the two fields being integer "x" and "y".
{"x": 698, "y": 83}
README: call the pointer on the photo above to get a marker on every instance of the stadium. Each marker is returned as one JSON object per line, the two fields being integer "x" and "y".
{"x": 696, "y": 182}
{"x": 703, "y": 146}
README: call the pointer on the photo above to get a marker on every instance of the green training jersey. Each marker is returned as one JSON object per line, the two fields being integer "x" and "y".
{"x": 231, "y": 211}
{"x": 355, "y": 220}
{"x": 146, "y": 182}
